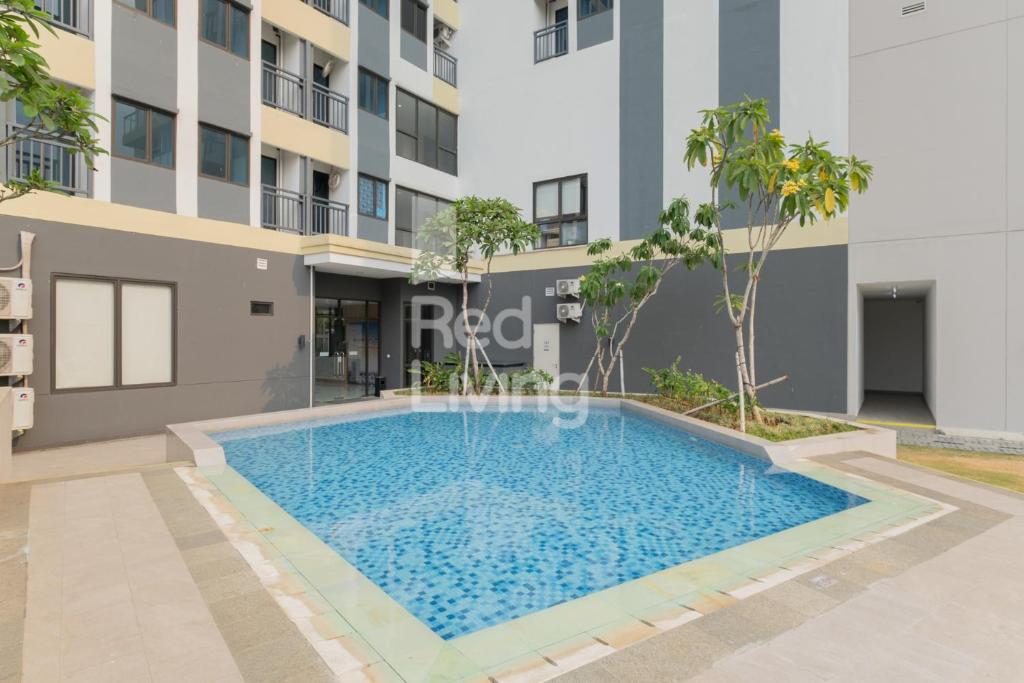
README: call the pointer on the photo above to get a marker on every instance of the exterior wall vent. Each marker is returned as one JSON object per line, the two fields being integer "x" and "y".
{"x": 913, "y": 8}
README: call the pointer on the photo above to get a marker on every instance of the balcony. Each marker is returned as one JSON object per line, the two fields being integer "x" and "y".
{"x": 286, "y": 210}
{"x": 445, "y": 67}
{"x": 70, "y": 15}
{"x": 551, "y": 41}
{"x": 283, "y": 90}
{"x": 337, "y": 9}
{"x": 56, "y": 161}
{"x": 330, "y": 108}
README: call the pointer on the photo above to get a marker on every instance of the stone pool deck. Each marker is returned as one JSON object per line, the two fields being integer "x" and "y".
{"x": 126, "y": 576}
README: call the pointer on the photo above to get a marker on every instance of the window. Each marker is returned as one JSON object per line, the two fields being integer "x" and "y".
{"x": 373, "y": 197}
{"x": 226, "y": 25}
{"x": 378, "y": 6}
{"x": 590, "y": 7}
{"x": 560, "y": 211}
{"x": 425, "y": 133}
{"x": 223, "y": 155}
{"x": 373, "y": 93}
{"x": 143, "y": 134}
{"x": 412, "y": 210}
{"x": 161, "y": 10}
{"x": 414, "y": 19}
{"x": 110, "y": 332}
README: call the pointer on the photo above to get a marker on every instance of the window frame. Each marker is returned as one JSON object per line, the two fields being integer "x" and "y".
{"x": 377, "y": 79}
{"x": 563, "y": 217}
{"x": 230, "y": 7}
{"x": 118, "y": 359}
{"x": 387, "y": 193}
{"x": 227, "y": 153}
{"x": 148, "y": 12}
{"x": 370, "y": 4}
{"x": 416, "y": 193}
{"x": 581, "y": 15}
{"x": 149, "y": 132}
{"x": 437, "y": 130}
{"x": 418, "y": 23}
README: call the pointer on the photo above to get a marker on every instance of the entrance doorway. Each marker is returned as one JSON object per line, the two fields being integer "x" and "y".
{"x": 347, "y": 349}
{"x": 546, "y": 348}
{"x": 418, "y": 347}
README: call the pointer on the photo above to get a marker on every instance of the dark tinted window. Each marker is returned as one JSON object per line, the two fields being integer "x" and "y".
{"x": 223, "y": 155}
{"x": 143, "y": 133}
{"x": 378, "y": 6}
{"x": 425, "y": 133}
{"x": 414, "y": 19}
{"x": 373, "y": 93}
{"x": 226, "y": 25}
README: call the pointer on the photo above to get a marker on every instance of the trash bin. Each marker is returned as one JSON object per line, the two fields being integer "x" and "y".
{"x": 380, "y": 385}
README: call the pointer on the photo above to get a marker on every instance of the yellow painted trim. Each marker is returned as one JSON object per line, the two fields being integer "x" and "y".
{"x": 295, "y": 134}
{"x": 445, "y": 96}
{"x": 72, "y": 58}
{"x": 820, "y": 235}
{"x": 351, "y": 246}
{"x": 448, "y": 12}
{"x": 883, "y": 423}
{"x": 303, "y": 20}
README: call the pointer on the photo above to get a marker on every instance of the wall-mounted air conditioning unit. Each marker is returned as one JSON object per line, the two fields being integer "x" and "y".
{"x": 24, "y": 407}
{"x": 569, "y": 312}
{"x": 566, "y": 288}
{"x": 15, "y": 298}
{"x": 15, "y": 354}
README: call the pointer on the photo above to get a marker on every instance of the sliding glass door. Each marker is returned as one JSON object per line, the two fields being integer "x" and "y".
{"x": 347, "y": 351}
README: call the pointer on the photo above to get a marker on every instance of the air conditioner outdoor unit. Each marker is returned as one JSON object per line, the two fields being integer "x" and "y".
{"x": 569, "y": 312}
{"x": 15, "y": 354}
{"x": 566, "y": 288}
{"x": 15, "y": 298}
{"x": 24, "y": 407}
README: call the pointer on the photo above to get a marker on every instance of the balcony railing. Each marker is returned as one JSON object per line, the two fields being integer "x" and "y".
{"x": 445, "y": 67}
{"x": 283, "y": 89}
{"x": 70, "y": 15}
{"x": 330, "y": 108}
{"x": 332, "y": 8}
{"x": 329, "y": 218}
{"x": 551, "y": 41}
{"x": 282, "y": 209}
{"x": 285, "y": 210}
{"x": 57, "y": 162}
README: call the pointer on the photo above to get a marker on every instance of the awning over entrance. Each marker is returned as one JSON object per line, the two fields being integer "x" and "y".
{"x": 363, "y": 258}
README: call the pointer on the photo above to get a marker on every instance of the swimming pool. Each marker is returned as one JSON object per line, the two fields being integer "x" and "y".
{"x": 470, "y": 519}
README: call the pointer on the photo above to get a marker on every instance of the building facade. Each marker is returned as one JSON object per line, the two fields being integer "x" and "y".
{"x": 245, "y": 246}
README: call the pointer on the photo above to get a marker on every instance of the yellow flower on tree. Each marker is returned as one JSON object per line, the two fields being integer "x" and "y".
{"x": 789, "y": 188}
{"x": 830, "y": 200}
{"x": 792, "y": 164}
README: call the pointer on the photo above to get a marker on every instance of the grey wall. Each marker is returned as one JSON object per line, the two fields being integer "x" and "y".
{"x": 228, "y": 362}
{"x": 802, "y": 330}
{"x": 144, "y": 59}
{"x": 223, "y": 89}
{"x": 894, "y": 347}
{"x": 374, "y": 41}
{"x": 641, "y": 95}
{"x": 414, "y": 50}
{"x": 748, "y": 65}
{"x": 595, "y": 29}
{"x": 223, "y": 200}
{"x": 141, "y": 184}
{"x": 373, "y": 148}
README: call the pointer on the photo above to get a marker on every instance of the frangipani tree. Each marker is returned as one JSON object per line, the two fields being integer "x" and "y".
{"x": 778, "y": 185}
{"x": 615, "y": 300}
{"x": 471, "y": 226}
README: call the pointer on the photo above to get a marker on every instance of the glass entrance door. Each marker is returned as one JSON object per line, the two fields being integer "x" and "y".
{"x": 347, "y": 349}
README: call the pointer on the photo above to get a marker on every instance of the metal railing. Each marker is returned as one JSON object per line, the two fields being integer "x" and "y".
{"x": 329, "y": 218}
{"x": 283, "y": 89}
{"x": 70, "y": 15}
{"x": 282, "y": 209}
{"x": 551, "y": 41}
{"x": 330, "y": 108}
{"x": 445, "y": 67}
{"x": 332, "y": 8}
{"x": 56, "y": 161}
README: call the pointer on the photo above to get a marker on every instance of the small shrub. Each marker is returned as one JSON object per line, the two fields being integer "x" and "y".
{"x": 529, "y": 381}
{"x": 691, "y": 387}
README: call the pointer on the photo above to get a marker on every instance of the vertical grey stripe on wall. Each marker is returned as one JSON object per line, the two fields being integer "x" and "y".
{"x": 373, "y": 144}
{"x": 748, "y": 59}
{"x": 641, "y": 114}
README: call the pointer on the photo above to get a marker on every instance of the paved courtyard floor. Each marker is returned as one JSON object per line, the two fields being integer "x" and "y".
{"x": 125, "y": 576}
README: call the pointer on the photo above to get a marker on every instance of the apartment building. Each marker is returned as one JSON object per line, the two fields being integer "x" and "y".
{"x": 246, "y": 244}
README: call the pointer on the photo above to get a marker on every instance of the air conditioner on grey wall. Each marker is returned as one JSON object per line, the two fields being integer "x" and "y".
{"x": 15, "y": 298}
{"x": 24, "y": 407}
{"x": 566, "y": 288}
{"x": 15, "y": 354}
{"x": 569, "y": 312}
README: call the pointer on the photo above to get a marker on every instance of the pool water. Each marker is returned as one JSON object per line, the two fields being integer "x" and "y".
{"x": 470, "y": 519}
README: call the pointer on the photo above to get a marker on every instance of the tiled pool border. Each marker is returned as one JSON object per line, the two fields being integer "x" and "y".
{"x": 363, "y": 634}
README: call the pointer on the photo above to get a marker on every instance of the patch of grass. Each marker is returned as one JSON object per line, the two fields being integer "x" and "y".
{"x": 1006, "y": 471}
{"x": 776, "y": 427}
